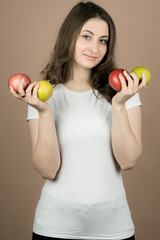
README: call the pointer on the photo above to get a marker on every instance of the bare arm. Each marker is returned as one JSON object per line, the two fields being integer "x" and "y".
{"x": 46, "y": 153}
{"x": 126, "y": 135}
{"x": 126, "y": 124}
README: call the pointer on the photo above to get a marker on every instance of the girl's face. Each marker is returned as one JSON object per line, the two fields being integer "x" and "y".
{"x": 91, "y": 43}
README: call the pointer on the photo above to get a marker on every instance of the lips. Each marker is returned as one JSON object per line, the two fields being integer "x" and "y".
{"x": 92, "y": 58}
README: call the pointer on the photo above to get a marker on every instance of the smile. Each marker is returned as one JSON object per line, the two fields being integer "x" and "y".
{"x": 92, "y": 58}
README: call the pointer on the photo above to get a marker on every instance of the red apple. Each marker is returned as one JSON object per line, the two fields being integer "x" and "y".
{"x": 114, "y": 80}
{"x": 15, "y": 79}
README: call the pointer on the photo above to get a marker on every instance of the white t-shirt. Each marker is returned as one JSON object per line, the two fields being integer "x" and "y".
{"x": 87, "y": 200}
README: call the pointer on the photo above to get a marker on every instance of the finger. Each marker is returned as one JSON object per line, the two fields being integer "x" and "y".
{"x": 135, "y": 79}
{"x": 13, "y": 92}
{"x": 123, "y": 81}
{"x": 30, "y": 88}
{"x": 144, "y": 80}
{"x": 21, "y": 88}
{"x": 129, "y": 79}
{"x": 35, "y": 90}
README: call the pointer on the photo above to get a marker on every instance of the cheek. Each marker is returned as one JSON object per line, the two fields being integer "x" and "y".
{"x": 80, "y": 47}
{"x": 103, "y": 51}
{"x": 81, "y": 44}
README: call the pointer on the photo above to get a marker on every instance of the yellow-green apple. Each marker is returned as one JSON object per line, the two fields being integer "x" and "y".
{"x": 45, "y": 90}
{"x": 140, "y": 70}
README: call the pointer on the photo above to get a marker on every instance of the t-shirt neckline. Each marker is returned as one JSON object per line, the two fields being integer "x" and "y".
{"x": 76, "y": 92}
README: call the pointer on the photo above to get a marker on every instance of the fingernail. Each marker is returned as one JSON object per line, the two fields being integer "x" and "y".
{"x": 144, "y": 74}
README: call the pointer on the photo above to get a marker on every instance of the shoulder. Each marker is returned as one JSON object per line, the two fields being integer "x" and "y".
{"x": 57, "y": 90}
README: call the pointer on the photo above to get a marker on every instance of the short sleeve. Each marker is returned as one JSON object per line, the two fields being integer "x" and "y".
{"x": 32, "y": 113}
{"x": 134, "y": 101}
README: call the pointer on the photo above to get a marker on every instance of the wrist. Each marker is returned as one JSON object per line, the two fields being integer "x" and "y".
{"x": 118, "y": 105}
{"x": 46, "y": 111}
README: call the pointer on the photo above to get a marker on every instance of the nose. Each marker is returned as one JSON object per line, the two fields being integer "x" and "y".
{"x": 94, "y": 47}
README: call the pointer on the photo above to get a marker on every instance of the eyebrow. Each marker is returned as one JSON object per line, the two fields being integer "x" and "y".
{"x": 105, "y": 36}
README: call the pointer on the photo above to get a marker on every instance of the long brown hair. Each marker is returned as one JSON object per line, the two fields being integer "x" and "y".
{"x": 58, "y": 70}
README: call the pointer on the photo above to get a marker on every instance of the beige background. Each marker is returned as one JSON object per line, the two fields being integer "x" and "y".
{"x": 28, "y": 31}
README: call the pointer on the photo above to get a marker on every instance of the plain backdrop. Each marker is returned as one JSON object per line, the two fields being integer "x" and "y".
{"x": 28, "y": 33}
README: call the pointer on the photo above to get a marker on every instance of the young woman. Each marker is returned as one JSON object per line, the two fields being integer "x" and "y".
{"x": 86, "y": 133}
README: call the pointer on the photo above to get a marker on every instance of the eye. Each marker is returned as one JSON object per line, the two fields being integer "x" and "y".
{"x": 86, "y": 37}
{"x": 104, "y": 41}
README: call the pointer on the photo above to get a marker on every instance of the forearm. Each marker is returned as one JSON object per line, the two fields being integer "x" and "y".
{"x": 126, "y": 147}
{"x": 46, "y": 154}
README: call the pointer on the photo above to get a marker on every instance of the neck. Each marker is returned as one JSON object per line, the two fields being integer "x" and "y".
{"x": 79, "y": 80}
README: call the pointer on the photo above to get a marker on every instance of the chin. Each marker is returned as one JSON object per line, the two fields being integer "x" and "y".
{"x": 90, "y": 65}
{"x": 87, "y": 64}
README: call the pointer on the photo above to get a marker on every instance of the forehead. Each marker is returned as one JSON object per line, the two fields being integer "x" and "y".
{"x": 97, "y": 26}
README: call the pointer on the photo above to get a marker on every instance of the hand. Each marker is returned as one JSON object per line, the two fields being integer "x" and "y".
{"x": 29, "y": 96}
{"x": 128, "y": 90}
